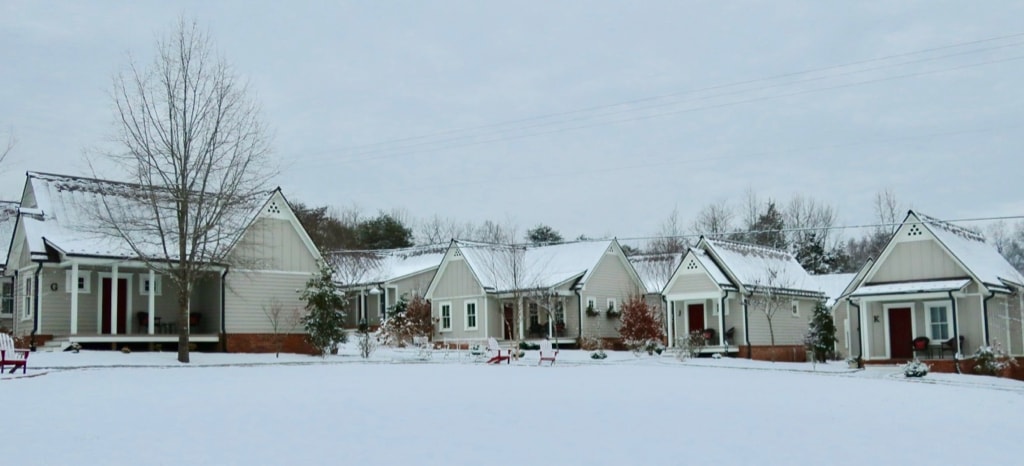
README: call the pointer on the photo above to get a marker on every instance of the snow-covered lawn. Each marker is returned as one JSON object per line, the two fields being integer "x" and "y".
{"x": 142, "y": 408}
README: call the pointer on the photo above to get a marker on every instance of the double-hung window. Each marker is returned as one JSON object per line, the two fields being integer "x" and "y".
{"x": 446, "y": 317}
{"x": 938, "y": 321}
{"x": 471, "y": 315}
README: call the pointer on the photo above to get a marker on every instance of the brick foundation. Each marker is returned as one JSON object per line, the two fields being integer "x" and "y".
{"x": 948, "y": 366}
{"x": 778, "y": 353}
{"x": 26, "y": 341}
{"x": 265, "y": 343}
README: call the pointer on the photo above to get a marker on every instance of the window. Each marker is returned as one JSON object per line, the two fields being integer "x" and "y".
{"x": 559, "y": 313}
{"x": 592, "y": 305}
{"x": 612, "y": 304}
{"x": 145, "y": 286}
{"x": 471, "y": 315}
{"x": 795, "y": 309}
{"x": 938, "y": 321}
{"x": 446, "y": 317}
{"x": 84, "y": 282}
{"x": 8, "y": 298}
{"x": 534, "y": 315}
{"x": 26, "y": 310}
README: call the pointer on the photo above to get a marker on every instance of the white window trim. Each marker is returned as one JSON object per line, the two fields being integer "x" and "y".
{"x": 612, "y": 304}
{"x": 440, "y": 315}
{"x": 27, "y": 298}
{"x": 157, "y": 288}
{"x": 591, "y": 304}
{"x": 14, "y": 297}
{"x": 476, "y": 314}
{"x": 84, "y": 275}
{"x": 794, "y": 309}
{"x": 928, "y": 318}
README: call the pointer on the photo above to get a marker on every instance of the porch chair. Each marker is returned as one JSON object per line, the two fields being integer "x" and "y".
{"x": 950, "y": 345}
{"x": 492, "y": 346}
{"x": 9, "y": 355}
{"x": 920, "y": 344}
{"x": 142, "y": 317}
{"x": 193, "y": 320}
{"x": 424, "y": 348}
{"x": 709, "y": 337}
{"x": 545, "y": 348}
{"x": 729, "y": 334}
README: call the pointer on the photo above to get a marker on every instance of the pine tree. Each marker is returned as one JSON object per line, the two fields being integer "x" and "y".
{"x": 821, "y": 334}
{"x": 326, "y": 318}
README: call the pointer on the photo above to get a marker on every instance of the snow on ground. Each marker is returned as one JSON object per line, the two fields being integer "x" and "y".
{"x": 143, "y": 408}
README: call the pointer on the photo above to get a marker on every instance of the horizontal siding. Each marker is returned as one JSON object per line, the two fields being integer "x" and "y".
{"x": 917, "y": 260}
{"x": 788, "y": 329}
{"x": 249, "y": 295}
{"x": 692, "y": 282}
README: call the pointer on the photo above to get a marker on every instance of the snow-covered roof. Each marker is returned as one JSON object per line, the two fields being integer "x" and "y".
{"x": 759, "y": 266}
{"x": 709, "y": 264}
{"x": 354, "y": 268}
{"x": 655, "y": 270}
{"x": 541, "y": 266}
{"x": 832, "y": 285}
{"x": 980, "y": 258}
{"x": 8, "y": 217}
{"x": 931, "y": 286}
{"x": 69, "y": 214}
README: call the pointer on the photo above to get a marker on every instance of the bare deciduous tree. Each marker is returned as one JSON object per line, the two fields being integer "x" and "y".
{"x": 193, "y": 141}
{"x": 768, "y": 296}
{"x": 671, "y": 236}
{"x": 713, "y": 221}
{"x": 437, "y": 230}
{"x": 6, "y": 148}
{"x": 282, "y": 322}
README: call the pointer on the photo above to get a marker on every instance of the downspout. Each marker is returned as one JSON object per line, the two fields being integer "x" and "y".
{"x": 984, "y": 315}
{"x": 579, "y": 309}
{"x": 860, "y": 337}
{"x": 35, "y": 307}
{"x": 223, "y": 314}
{"x": 668, "y": 323}
{"x": 721, "y": 315}
{"x": 956, "y": 333}
{"x": 746, "y": 328}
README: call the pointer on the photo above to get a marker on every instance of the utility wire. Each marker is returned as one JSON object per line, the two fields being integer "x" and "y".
{"x": 691, "y": 91}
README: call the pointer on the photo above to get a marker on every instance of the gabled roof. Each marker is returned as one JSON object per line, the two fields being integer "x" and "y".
{"x": 545, "y": 266}
{"x": 355, "y": 268}
{"x": 66, "y": 212}
{"x": 753, "y": 266}
{"x": 8, "y": 219}
{"x": 655, "y": 270}
{"x": 832, "y": 285}
{"x": 969, "y": 247}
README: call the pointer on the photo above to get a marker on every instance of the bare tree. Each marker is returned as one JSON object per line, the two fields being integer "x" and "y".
{"x": 282, "y": 322}
{"x": 6, "y": 148}
{"x": 670, "y": 236}
{"x": 887, "y": 211}
{"x": 193, "y": 142}
{"x": 805, "y": 216}
{"x": 437, "y": 230}
{"x": 713, "y": 221}
{"x": 768, "y": 296}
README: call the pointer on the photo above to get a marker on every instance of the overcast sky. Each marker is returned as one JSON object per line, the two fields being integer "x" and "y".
{"x": 905, "y": 95}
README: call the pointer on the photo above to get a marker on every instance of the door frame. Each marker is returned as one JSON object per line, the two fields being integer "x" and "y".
{"x": 508, "y": 324}
{"x": 704, "y": 311}
{"x": 129, "y": 319}
{"x": 885, "y": 313}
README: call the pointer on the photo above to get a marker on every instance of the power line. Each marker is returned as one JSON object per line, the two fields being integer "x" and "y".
{"x": 443, "y": 143}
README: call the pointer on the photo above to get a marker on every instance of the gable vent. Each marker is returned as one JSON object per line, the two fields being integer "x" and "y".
{"x": 692, "y": 265}
{"x": 914, "y": 230}
{"x": 458, "y": 253}
{"x": 273, "y": 208}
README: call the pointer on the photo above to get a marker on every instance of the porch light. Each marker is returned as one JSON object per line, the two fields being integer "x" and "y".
{"x": 374, "y": 290}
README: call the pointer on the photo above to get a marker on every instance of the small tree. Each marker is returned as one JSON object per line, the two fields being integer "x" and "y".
{"x": 821, "y": 333}
{"x": 326, "y": 317}
{"x": 282, "y": 322}
{"x": 768, "y": 297}
{"x": 543, "y": 234}
{"x": 641, "y": 328}
{"x": 418, "y": 314}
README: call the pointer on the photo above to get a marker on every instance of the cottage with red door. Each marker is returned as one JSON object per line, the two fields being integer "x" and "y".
{"x": 936, "y": 289}
{"x": 725, "y": 291}
{"x": 75, "y": 283}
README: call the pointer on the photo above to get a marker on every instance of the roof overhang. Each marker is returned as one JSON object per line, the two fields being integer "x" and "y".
{"x": 907, "y": 288}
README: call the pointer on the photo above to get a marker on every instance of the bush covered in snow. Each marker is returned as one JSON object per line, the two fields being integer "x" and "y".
{"x": 992, "y": 360}
{"x": 916, "y": 368}
{"x": 598, "y": 354}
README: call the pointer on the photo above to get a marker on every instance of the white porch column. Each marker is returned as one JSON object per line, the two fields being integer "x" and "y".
{"x": 671, "y": 320}
{"x": 865, "y": 329}
{"x": 487, "y": 328}
{"x": 152, "y": 303}
{"x": 74, "y": 298}
{"x": 721, "y": 322}
{"x": 113, "y": 300}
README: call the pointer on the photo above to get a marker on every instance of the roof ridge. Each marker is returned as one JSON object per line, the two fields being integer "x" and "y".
{"x": 727, "y": 242}
{"x": 964, "y": 232}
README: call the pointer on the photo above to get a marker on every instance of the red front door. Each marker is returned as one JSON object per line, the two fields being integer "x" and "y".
{"x": 122, "y": 305}
{"x": 900, "y": 333}
{"x": 695, "y": 317}
{"x": 508, "y": 316}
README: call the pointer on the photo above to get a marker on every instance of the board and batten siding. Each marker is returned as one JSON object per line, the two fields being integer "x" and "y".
{"x": 249, "y": 294}
{"x": 458, "y": 318}
{"x": 273, "y": 244}
{"x": 456, "y": 280}
{"x": 610, "y": 279}
{"x": 917, "y": 260}
{"x": 692, "y": 281}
